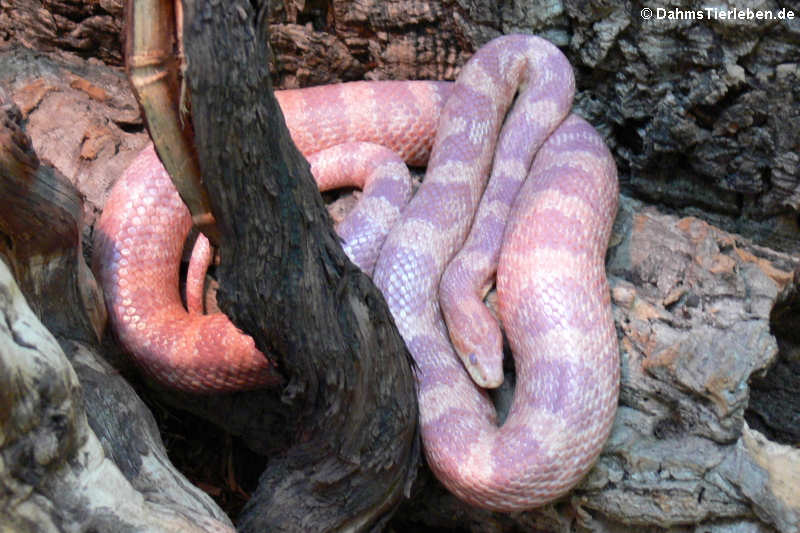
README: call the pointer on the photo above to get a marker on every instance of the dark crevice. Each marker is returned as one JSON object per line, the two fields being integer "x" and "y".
{"x": 628, "y": 135}
{"x": 219, "y": 463}
{"x": 315, "y": 13}
{"x": 707, "y": 115}
{"x": 774, "y": 408}
{"x": 130, "y": 127}
{"x": 672, "y": 426}
{"x": 7, "y": 241}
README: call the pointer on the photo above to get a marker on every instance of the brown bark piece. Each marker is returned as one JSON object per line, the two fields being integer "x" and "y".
{"x": 94, "y": 92}
{"x": 82, "y": 118}
{"x": 87, "y": 28}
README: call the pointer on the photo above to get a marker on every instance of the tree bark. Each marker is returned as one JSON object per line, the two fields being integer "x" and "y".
{"x": 79, "y": 451}
{"x": 89, "y": 29}
{"x": 351, "y": 396}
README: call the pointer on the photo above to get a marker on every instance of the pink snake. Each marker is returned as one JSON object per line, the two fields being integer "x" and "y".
{"x": 544, "y": 236}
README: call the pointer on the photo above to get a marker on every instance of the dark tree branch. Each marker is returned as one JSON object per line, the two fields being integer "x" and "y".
{"x": 286, "y": 281}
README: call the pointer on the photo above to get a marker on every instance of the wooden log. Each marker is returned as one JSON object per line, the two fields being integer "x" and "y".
{"x": 354, "y": 444}
{"x": 79, "y": 450}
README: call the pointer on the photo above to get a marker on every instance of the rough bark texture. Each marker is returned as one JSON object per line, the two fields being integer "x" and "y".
{"x": 99, "y": 130}
{"x": 352, "y": 412}
{"x": 91, "y": 29}
{"x": 702, "y": 117}
{"x": 78, "y": 449}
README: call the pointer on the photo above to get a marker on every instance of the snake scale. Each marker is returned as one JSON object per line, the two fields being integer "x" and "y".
{"x": 543, "y": 237}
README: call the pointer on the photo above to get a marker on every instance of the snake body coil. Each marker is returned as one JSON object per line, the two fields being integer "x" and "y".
{"x": 544, "y": 236}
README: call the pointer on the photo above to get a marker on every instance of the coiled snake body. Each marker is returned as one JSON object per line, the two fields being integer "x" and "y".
{"x": 549, "y": 260}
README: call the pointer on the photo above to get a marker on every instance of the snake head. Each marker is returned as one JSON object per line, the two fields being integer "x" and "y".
{"x": 478, "y": 341}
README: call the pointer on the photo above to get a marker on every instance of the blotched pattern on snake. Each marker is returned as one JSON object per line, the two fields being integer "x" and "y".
{"x": 542, "y": 224}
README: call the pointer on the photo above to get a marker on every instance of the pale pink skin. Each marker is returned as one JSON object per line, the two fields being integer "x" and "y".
{"x": 202, "y": 255}
{"x": 386, "y": 183}
{"x": 138, "y": 247}
{"x": 553, "y": 296}
{"x": 139, "y": 237}
{"x": 549, "y": 257}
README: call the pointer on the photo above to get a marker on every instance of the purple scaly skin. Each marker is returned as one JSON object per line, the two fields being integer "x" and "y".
{"x": 386, "y": 184}
{"x": 474, "y": 332}
{"x": 553, "y": 295}
{"x": 554, "y": 299}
